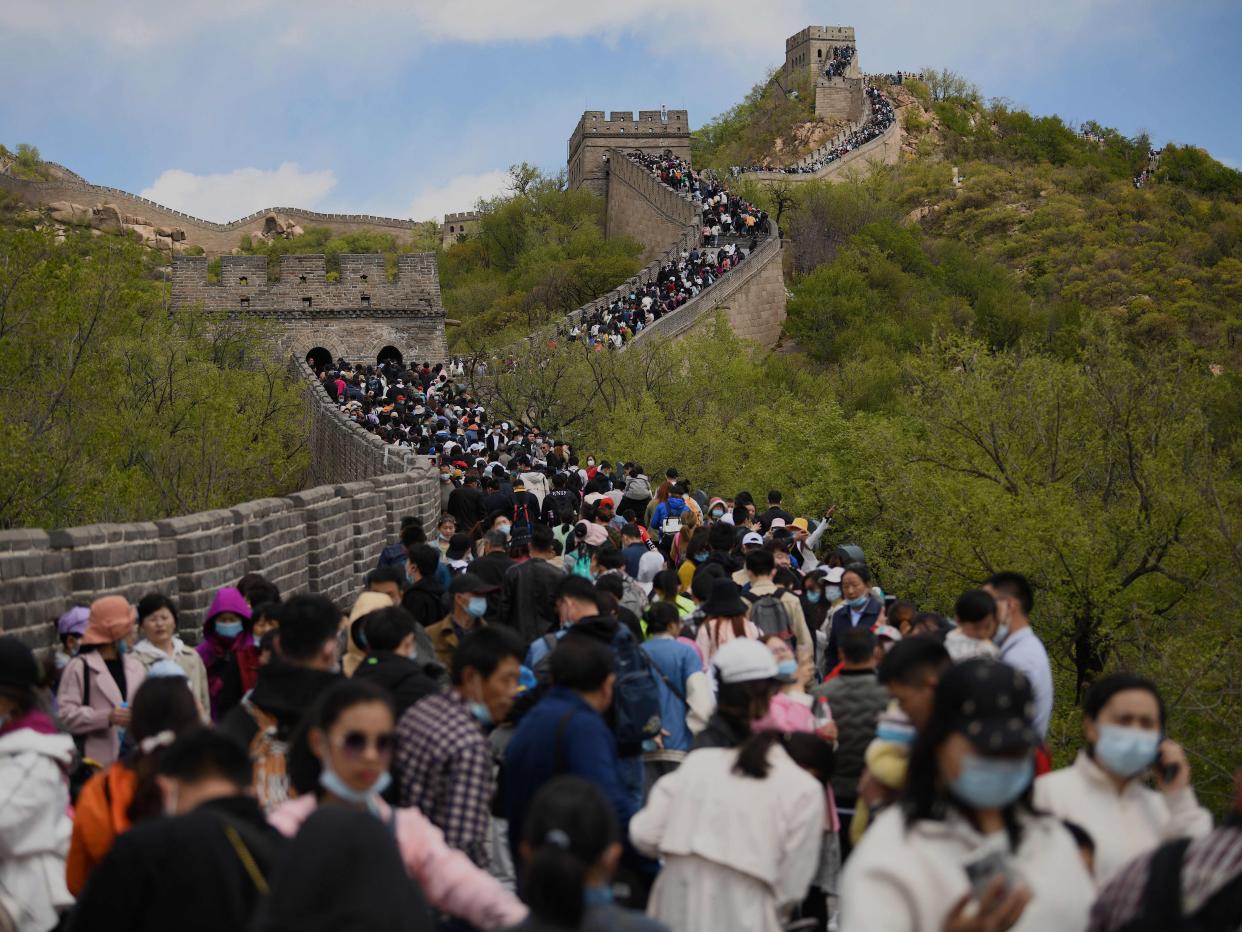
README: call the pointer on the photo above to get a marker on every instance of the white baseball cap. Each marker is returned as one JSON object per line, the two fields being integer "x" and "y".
{"x": 743, "y": 660}
{"x": 752, "y": 537}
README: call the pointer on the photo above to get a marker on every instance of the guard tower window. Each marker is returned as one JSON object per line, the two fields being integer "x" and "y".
{"x": 306, "y": 303}
{"x": 245, "y": 302}
{"x": 302, "y": 279}
{"x": 366, "y": 300}
{"x": 364, "y": 276}
{"x": 243, "y": 280}
{"x": 819, "y": 53}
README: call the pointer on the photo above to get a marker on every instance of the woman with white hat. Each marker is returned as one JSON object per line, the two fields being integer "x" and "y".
{"x": 749, "y": 870}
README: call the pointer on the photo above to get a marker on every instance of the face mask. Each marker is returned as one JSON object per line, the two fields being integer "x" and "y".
{"x": 331, "y": 781}
{"x": 717, "y": 515}
{"x": 597, "y": 896}
{"x": 858, "y": 602}
{"x": 833, "y": 593}
{"x": 1002, "y": 632}
{"x": 228, "y": 629}
{"x": 590, "y": 462}
{"x": 477, "y": 606}
{"x": 700, "y": 558}
{"x": 1126, "y": 751}
{"x": 481, "y": 714}
{"x": 504, "y": 529}
{"x": 786, "y": 669}
{"x": 990, "y": 782}
{"x": 814, "y": 596}
{"x": 61, "y": 661}
{"x": 121, "y": 648}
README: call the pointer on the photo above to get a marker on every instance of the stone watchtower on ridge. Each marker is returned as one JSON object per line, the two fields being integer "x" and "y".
{"x": 838, "y": 96}
{"x": 363, "y": 317}
{"x": 652, "y": 131}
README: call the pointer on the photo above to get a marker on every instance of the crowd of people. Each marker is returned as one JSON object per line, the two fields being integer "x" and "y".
{"x": 880, "y": 117}
{"x": 1143, "y": 178}
{"x": 837, "y": 65}
{"x": 590, "y": 699}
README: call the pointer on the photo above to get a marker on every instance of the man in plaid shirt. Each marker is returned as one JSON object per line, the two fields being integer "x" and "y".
{"x": 444, "y": 763}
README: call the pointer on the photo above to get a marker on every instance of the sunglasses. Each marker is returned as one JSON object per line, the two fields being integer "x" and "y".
{"x": 355, "y": 743}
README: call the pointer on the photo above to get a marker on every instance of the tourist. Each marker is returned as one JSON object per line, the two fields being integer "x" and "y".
{"x": 226, "y": 651}
{"x": 392, "y": 661}
{"x": 975, "y": 614}
{"x": 126, "y": 792}
{"x": 34, "y": 798}
{"x": 1020, "y": 645}
{"x": 205, "y": 865}
{"x": 910, "y": 672}
{"x": 860, "y": 609}
{"x": 968, "y": 802}
{"x": 529, "y": 589}
{"x": 443, "y": 763}
{"x": 98, "y": 685}
{"x": 724, "y": 619}
{"x": 686, "y": 701}
{"x": 1104, "y": 789}
{"x": 467, "y": 607}
{"x": 342, "y": 758}
{"x": 157, "y": 622}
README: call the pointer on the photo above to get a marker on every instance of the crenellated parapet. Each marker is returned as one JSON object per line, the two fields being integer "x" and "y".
{"x": 597, "y": 132}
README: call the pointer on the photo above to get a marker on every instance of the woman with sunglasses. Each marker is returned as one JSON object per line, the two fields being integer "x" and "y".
{"x": 341, "y": 756}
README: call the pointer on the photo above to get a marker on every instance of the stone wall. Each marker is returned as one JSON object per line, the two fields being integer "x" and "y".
{"x": 323, "y": 539}
{"x": 457, "y": 225}
{"x": 215, "y": 238}
{"x": 840, "y": 99}
{"x": 355, "y": 317}
{"x": 885, "y": 149}
{"x": 642, "y": 208}
{"x": 752, "y": 297}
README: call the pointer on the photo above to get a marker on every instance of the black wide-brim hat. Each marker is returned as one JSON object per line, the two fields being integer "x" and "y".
{"x": 725, "y": 600}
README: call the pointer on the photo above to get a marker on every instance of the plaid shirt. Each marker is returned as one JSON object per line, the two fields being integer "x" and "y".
{"x": 447, "y": 771}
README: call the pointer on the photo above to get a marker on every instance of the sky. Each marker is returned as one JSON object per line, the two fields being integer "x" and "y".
{"x": 411, "y": 108}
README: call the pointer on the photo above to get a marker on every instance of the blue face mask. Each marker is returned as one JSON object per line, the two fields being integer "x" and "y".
{"x": 786, "y": 669}
{"x": 992, "y": 782}
{"x": 331, "y": 781}
{"x": 477, "y": 606}
{"x": 814, "y": 595}
{"x": 597, "y": 896}
{"x": 859, "y": 602}
{"x": 121, "y": 648}
{"x": 1126, "y": 752}
{"x": 832, "y": 593}
{"x": 700, "y": 558}
{"x": 228, "y": 629}
{"x": 481, "y": 714}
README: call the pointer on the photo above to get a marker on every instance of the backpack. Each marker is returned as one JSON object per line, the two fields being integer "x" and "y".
{"x": 769, "y": 615}
{"x": 636, "y": 693}
{"x": 269, "y": 757}
{"x": 582, "y": 565}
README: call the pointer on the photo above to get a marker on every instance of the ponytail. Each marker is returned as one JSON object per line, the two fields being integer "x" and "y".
{"x": 163, "y": 708}
{"x": 554, "y": 882}
{"x": 752, "y": 755}
{"x": 568, "y": 829}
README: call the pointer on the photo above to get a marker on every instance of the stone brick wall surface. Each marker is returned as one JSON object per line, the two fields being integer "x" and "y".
{"x": 652, "y": 131}
{"x": 642, "y": 208}
{"x": 322, "y": 539}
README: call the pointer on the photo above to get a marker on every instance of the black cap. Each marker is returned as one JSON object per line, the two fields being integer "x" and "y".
{"x": 17, "y": 664}
{"x": 468, "y": 582}
{"x": 991, "y": 704}
{"x": 459, "y": 546}
{"x": 725, "y": 601}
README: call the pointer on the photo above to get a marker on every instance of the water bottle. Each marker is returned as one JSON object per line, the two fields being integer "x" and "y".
{"x": 122, "y": 735}
{"x": 822, "y": 713}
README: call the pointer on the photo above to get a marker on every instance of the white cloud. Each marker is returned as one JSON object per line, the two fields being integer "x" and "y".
{"x": 455, "y": 195}
{"x": 230, "y": 195}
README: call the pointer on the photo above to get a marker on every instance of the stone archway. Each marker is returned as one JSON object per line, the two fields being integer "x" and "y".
{"x": 390, "y": 353}
{"x": 320, "y": 359}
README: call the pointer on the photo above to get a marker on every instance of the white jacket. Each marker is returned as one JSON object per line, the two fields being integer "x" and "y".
{"x": 34, "y": 826}
{"x": 1123, "y": 825}
{"x": 903, "y": 879}
{"x": 737, "y": 851}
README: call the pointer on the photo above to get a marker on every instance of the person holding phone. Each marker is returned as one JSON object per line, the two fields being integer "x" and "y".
{"x": 1106, "y": 789}
{"x": 964, "y": 850}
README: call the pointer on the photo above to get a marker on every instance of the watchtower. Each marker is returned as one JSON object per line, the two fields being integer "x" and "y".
{"x": 457, "y": 226}
{"x": 652, "y": 131}
{"x": 362, "y": 316}
{"x": 820, "y": 51}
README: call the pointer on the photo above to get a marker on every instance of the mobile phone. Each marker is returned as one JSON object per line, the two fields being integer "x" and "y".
{"x": 985, "y": 864}
{"x": 1168, "y": 771}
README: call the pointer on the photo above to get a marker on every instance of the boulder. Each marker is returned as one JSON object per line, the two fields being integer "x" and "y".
{"x": 107, "y": 217}
{"x": 75, "y": 214}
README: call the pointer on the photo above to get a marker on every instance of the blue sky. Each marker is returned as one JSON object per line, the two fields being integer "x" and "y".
{"x": 412, "y": 107}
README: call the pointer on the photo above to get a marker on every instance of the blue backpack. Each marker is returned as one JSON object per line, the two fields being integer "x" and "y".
{"x": 636, "y": 693}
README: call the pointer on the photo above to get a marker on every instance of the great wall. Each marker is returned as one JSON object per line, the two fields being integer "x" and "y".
{"x": 359, "y": 488}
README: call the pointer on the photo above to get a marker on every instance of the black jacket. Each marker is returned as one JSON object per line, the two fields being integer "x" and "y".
{"x": 405, "y": 680}
{"x": 466, "y": 505}
{"x": 425, "y": 601}
{"x": 556, "y": 503}
{"x": 774, "y": 511}
{"x": 284, "y": 691}
{"x": 183, "y": 873}
{"x": 841, "y": 623}
{"x": 529, "y": 602}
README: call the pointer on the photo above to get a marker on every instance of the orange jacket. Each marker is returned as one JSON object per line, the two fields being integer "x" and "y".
{"x": 98, "y": 818}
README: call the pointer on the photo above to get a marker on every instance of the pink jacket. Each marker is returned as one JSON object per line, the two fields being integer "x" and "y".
{"x": 450, "y": 881}
{"x": 91, "y": 720}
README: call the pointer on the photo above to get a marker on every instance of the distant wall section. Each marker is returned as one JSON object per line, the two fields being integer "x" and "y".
{"x": 357, "y": 317}
{"x": 651, "y": 131}
{"x": 642, "y": 208}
